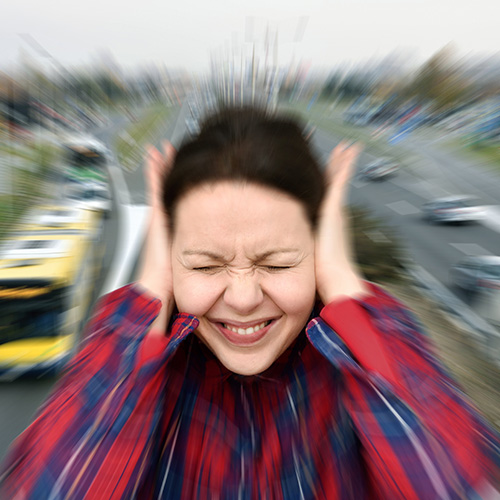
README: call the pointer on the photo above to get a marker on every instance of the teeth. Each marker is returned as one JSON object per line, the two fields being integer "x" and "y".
{"x": 246, "y": 331}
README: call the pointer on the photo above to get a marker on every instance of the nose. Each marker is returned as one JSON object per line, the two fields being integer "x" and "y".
{"x": 243, "y": 292}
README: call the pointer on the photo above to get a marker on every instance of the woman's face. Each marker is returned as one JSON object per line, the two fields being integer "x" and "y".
{"x": 243, "y": 263}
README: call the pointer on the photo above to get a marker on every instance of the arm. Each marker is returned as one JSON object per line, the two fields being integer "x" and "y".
{"x": 94, "y": 436}
{"x": 155, "y": 274}
{"x": 420, "y": 436}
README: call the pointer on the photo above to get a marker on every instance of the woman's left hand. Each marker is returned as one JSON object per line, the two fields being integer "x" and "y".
{"x": 335, "y": 268}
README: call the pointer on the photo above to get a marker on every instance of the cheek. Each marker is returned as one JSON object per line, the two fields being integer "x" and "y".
{"x": 294, "y": 294}
{"x": 195, "y": 294}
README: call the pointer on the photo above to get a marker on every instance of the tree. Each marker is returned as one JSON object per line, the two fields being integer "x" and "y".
{"x": 440, "y": 81}
{"x": 378, "y": 252}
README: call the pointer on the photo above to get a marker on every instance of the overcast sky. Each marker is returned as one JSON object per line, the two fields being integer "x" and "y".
{"x": 187, "y": 33}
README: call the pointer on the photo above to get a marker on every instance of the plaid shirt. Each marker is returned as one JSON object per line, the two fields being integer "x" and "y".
{"x": 357, "y": 408}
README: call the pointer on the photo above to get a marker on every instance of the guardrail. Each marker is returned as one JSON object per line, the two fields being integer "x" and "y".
{"x": 486, "y": 335}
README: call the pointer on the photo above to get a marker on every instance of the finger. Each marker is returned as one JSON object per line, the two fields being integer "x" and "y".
{"x": 341, "y": 163}
{"x": 345, "y": 150}
{"x": 153, "y": 170}
{"x": 339, "y": 171}
{"x": 343, "y": 155}
{"x": 169, "y": 154}
{"x": 153, "y": 158}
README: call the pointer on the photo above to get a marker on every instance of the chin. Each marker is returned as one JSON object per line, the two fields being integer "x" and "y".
{"x": 247, "y": 367}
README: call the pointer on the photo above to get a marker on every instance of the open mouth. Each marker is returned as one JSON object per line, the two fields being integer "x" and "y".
{"x": 250, "y": 335}
{"x": 246, "y": 331}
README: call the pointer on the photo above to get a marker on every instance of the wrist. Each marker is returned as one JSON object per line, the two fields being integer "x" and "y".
{"x": 154, "y": 287}
{"x": 149, "y": 288}
{"x": 167, "y": 305}
{"x": 159, "y": 325}
{"x": 342, "y": 285}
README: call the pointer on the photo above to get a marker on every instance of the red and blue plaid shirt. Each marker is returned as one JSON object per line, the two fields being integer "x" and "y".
{"x": 357, "y": 408}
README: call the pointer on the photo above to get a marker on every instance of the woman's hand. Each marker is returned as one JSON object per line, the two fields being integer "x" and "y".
{"x": 156, "y": 270}
{"x": 336, "y": 271}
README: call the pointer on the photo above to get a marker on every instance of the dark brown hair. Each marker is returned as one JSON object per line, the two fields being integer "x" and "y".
{"x": 250, "y": 145}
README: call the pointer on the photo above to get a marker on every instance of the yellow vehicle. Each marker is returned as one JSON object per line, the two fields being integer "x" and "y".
{"x": 49, "y": 218}
{"x": 46, "y": 286}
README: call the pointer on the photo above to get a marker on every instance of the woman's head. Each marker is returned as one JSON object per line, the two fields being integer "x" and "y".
{"x": 243, "y": 235}
{"x": 248, "y": 145}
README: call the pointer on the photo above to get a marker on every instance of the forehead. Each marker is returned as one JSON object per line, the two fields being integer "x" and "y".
{"x": 233, "y": 213}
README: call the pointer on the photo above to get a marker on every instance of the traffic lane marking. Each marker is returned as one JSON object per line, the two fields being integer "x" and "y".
{"x": 403, "y": 207}
{"x": 470, "y": 249}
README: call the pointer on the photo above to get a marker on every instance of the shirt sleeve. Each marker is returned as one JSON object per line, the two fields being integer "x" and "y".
{"x": 95, "y": 434}
{"x": 420, "y": 436}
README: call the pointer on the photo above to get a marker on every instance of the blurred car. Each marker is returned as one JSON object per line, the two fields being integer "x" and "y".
{"x": 477, "y": 273}
{"x": 85, "y": 151}
{"x": 50, "y": 217}
{"x": 93, "y": 196}
{"x": 379, "y": 169}
{"x": 452, "y": 209}
{"x": 85, "y": 159}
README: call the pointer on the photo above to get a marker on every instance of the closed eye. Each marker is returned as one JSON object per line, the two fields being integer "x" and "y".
{"x": 207, "y": 269}
{"x": 277, "y": 268}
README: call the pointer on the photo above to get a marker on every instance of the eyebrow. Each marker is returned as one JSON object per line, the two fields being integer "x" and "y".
{"x": 258, "y": 257}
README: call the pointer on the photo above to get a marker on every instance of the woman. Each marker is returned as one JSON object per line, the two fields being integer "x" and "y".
{"x": 284, "y": 375}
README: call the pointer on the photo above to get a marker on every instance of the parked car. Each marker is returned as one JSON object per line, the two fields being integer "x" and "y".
{"x": 379, "y": 169}
{"x": 477, "y": 273}
{"x": 452, "y": 209}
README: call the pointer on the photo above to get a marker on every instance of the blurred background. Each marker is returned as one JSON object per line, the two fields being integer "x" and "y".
{"x": 84, "y": 88}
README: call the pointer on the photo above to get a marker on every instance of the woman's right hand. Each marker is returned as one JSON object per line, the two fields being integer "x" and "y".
{"x": 156, "y": 271}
